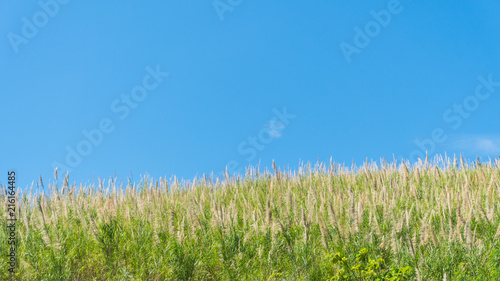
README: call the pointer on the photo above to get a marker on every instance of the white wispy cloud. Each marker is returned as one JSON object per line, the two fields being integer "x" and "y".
{"x": 477, "y": 144}
{"x": 488, "y": 145}
{"x": 275, "y": 128}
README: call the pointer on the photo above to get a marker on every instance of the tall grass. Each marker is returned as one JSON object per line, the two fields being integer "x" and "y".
{"x": 435, "y": 220}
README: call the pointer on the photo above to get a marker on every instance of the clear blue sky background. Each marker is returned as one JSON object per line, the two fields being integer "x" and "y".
{"x": 230, "y": 71}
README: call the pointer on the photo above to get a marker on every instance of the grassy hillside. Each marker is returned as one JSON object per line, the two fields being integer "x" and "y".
{"x": 386, "y": 221}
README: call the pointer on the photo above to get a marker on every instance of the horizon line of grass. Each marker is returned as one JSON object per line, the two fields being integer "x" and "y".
{"x": 434, "y": 220}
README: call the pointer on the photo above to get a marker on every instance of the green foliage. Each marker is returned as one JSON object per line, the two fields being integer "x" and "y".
{"x": 389, "y": 223}
{"x": 365, "y": 268}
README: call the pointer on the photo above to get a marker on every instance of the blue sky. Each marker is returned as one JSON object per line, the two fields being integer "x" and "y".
{"x": 188, "y": 87}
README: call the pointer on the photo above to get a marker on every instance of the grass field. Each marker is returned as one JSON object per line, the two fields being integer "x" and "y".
{"x": 436, "y": 220}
